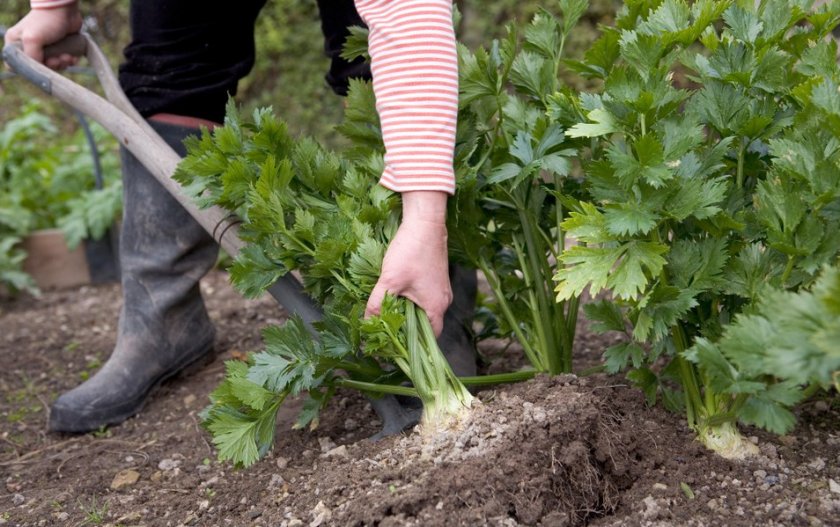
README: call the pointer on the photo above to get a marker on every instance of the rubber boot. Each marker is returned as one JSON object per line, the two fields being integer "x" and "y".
{"x": 163, "y": 326}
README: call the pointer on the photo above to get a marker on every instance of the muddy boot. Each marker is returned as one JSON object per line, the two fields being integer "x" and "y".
{"x": 163, "y": 326}
{"x": 457, "y": 340}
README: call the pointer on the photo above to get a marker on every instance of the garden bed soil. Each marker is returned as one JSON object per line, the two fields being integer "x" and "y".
{"x": 562, "y": 451}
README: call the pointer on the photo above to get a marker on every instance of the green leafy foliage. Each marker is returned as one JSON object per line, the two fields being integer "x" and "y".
{"x": 47, "y": 181}
{"x": 710, "y": 195}
{"x": 799, "y": 340}
{"x": 309, "y": 210}
{"x": 514, "y": 168}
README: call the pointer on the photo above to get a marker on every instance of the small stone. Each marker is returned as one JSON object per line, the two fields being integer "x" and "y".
{"x": 787, "y": 440}
{"x": 652, "y": 509}
{"x": 833, "y": 486}
{"x": 168, "y": 464}
{"x": 124, "y": 478}
{"x": 712, "y": 504}
{"x": 18, "y": 499}
{"x": 326, "y": 443}
{"x": 350, "y": 424}
{"x": 276, "y": 481}
{"x": 295, "y": 522}
{"x": 190, "y": 519}
{"x": 321, "y": 515}
{"x": 753, "y": 440}
{"x": 203, "y": 505}
{"x": 131, "y": 517}
{"x": 62, "y": 516}
{"x": 660, "y": 486}
{"x": 254, "y": 514}
{"x": 156, "y": 476}
{"x": 817, "y": 464}
{"x": 339, "y": 451}
{"x": 821, "y": 406}
{"x": 189, "y": 400}
{"x": 129, "y": 459}
{"x": 760, "y": 474}
{"x": 282, "y": 463}
{"x": 552, "y": 519}
{"x": 439, "y": 506}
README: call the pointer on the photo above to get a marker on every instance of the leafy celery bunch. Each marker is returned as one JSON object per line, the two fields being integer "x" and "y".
{"x": 308, "y": 210}
{"x": 711, "y": 175}
{"x": 513, "y": 164}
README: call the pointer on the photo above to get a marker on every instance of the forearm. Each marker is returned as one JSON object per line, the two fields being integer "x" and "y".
{"x": 415, "y": 79}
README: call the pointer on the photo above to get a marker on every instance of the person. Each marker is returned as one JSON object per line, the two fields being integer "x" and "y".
{"x": 184, "y": 60}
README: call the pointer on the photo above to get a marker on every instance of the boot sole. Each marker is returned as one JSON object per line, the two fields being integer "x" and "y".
{"x": 65, "y": 420}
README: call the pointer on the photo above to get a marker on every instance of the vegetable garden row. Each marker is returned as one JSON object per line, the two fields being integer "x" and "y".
{"x": 694, "y": 192}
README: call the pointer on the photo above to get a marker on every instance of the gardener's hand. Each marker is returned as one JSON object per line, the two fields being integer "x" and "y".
{"x": 42, "y": 27}
{"x": 416, "y": 264}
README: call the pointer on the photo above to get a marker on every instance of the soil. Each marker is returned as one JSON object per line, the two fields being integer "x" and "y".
{"x": 563, "y": 451}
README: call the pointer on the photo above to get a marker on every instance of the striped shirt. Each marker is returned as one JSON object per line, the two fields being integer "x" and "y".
{"x": 415, "y": 80}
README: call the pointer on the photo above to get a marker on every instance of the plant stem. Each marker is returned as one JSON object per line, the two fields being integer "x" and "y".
{"x": 376, "y": 388}
{"x": 571, "y": 325}
{"x": 558, "y": 214}
{"x": 513, "y": 321}
{"x": 552, "y": 350}
{"x": 444, "y": 396}
{"x": 788, "y": 269}
{"x": 810, "y": 390}
{"x": 533, "y": 303}
{"x": 739, "y": 178}
{"x": 693, "y": 400}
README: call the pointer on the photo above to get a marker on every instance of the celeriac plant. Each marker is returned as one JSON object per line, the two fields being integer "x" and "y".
{"x": 513, "y": 165}
{"x": 308, "y": 210}
{"x": 711, "y": 176}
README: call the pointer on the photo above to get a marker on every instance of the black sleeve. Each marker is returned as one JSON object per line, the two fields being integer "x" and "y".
{"x": 337, "y": 16}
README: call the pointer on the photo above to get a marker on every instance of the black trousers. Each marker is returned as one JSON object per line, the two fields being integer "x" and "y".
{"x": 187, "y": 56}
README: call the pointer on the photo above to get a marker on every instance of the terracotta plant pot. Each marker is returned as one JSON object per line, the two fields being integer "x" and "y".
{"x": 54, "y": 266}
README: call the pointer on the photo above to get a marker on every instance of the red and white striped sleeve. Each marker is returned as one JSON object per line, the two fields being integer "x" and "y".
{"x": 49, "y": 4}
{"x": 415, "y": 79}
